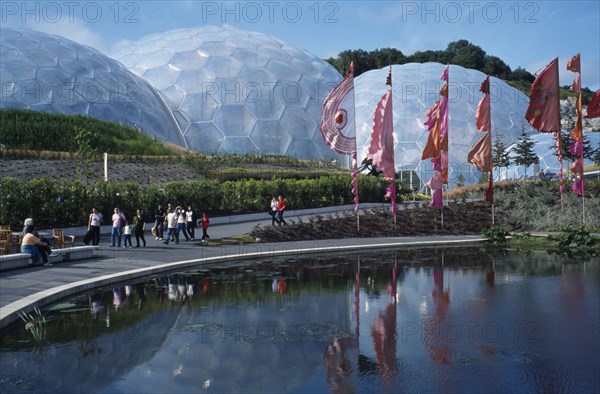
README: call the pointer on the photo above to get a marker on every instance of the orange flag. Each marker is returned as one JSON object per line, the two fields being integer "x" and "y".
{"x": 543, "y": 111}
{"x": 480, "y": 153}
{"x": 432, "y": 146}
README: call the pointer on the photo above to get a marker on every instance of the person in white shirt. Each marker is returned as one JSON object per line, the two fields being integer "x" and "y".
{"x": 94, "y": 223}
{"x": 191, "y": 222}
{"x": 171, "y": 220}
{"x": 181, "y": 218}
{"x": 127, "y": 234}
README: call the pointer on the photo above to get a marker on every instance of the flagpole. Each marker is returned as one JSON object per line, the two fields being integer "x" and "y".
{"x": 579, "y": 116}
{"x": 447, "y": 139}
{"x": 491, "y": 175}
{"x": 559, "y": 141}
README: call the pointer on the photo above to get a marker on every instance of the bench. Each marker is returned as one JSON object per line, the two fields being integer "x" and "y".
{"x": 14, "y": 261}
{"x": 22, "y": 260}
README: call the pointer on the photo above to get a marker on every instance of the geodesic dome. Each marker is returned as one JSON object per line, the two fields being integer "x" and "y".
{"x": 233, "y": 91}
{"x": 50, "y": 73}
{"x": 416, "y": 88}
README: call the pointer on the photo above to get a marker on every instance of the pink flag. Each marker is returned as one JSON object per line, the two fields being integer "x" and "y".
{"x": 381, "y": 149}
{"x": 337, "y": 121}
{"x": 435, "y": 184}
{"x": 576, "y": 86}
{"x": 577, "y": 186}
{"x": 543, "y": 111}
{"x": 444, "y": 76}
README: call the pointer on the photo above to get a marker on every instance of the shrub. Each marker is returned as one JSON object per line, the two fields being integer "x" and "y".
{"x": 496, "y": 234}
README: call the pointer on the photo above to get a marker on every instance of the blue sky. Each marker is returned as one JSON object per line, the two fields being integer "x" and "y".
{"x": 528, "y": 34}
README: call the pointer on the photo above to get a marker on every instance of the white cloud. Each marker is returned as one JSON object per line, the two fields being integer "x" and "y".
{"x": 75, "y": 31}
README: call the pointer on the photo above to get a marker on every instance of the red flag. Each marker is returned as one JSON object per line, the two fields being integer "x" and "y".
{"x": 485, "y": 86}
{"x": 543, "y": 111}
{"x": 381, "y": 149}
{"x": 574, "y": 64}
{"x": 593, "y": 108}
{"x": 337, "y": 121}
{"x": 483, "y": 119}
{"x": 480, "y": 153}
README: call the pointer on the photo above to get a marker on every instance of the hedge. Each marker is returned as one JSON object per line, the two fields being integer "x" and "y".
{"x": 63, "y": 204}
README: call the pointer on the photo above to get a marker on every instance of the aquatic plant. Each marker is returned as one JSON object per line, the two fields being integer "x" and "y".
{"x": 35, "y": 324}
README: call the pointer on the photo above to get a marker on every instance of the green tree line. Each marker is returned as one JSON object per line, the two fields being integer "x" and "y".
{"x": 461, "y": 53}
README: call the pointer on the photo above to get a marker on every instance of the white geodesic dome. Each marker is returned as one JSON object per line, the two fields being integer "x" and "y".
{"x": 416, "y": 88}
{"x": 50, "y": 73}
{"x": 236, "y": 92}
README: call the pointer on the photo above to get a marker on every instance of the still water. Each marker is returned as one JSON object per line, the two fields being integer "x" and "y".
{"x": 429, "y": 320}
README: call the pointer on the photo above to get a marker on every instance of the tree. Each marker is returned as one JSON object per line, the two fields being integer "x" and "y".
{"x": 500, "y": 157}
{"x": 466, "y": 54}
{"x": 493, "y": 65}
{"x": 520, "y": 74}
{"x": 525, "y": 156}
{"x": 385, "y": 56}
{"x": 596, "y": 156}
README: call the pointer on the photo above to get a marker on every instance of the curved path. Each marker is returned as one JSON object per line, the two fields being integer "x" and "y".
{"x": 23, "y": 289}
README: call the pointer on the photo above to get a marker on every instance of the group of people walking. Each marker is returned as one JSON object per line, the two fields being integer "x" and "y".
{"x": 176, "y": 221}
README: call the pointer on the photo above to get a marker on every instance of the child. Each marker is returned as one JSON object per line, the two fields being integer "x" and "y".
{"x": 127, "y": 233}
{"x": 204, "y": 222}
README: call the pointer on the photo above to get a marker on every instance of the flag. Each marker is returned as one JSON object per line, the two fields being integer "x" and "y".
{"x": 577, "y": 166}
{"x": 433, "y": 144}
{"x": 576, "y": 86}
{"x": 337, "y": 121}
{"x": 577, "y": 186}
{"x": 435, "y": 183}
{"x": 481, "y": 152}
{"x": 593, "y": 108}
{"x": 543, "y": 111}
{"x": 444, "y": 76}
{"x": 483, "y": 119}
{"x": 485, "y": 86}
{"x": 381, "y": 149}
{"x": 574, "y": 64}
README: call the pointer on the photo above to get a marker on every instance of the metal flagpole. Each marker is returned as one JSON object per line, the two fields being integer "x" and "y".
{"x": 579, "y": 116}
{"x": 559, "y": 142}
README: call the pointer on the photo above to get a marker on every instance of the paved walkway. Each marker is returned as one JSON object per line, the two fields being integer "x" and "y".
{"x": 25, "y": 288}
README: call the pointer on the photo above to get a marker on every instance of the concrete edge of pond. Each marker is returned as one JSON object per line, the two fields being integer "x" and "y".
{"x": 91, "y": 279}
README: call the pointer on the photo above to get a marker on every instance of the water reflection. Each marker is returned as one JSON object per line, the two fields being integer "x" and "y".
{"x": 431, "y": 320}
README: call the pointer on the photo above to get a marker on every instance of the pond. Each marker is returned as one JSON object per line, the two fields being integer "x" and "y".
{"x": 428, "y": 320}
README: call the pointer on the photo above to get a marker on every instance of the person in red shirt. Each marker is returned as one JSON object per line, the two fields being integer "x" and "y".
{"x": 204, "y": 222}
{"x": 280, "y": 210}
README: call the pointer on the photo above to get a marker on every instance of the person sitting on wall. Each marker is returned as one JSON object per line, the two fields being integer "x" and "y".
{"x": 30, "y": 244}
